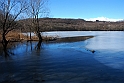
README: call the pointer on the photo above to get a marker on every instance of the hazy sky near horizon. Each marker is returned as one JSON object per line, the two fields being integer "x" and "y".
{"x": 87, "y": 8}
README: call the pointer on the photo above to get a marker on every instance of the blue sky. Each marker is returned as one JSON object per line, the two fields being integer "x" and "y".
{"x": 87, "y": 8}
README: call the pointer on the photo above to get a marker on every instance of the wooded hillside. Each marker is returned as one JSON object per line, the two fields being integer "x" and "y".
{"x": 58, "y": 24}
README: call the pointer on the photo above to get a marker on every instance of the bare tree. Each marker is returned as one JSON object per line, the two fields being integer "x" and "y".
{"x": 10, "y": 11}
{"x": 35, "y": 10}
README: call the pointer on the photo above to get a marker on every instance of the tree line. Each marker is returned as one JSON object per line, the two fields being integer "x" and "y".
{"x": 59, "y": 24}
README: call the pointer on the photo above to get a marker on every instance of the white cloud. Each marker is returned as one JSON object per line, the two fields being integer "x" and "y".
{"x": 103, "y": 19}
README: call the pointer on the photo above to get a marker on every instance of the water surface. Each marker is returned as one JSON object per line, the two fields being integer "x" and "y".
{"x": 67, "y": 62}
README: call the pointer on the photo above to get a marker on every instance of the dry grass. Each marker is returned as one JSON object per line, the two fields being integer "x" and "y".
{"x": 15, "y": 36}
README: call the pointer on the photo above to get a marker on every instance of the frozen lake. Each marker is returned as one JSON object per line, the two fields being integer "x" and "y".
{"x": 67, "y": 62}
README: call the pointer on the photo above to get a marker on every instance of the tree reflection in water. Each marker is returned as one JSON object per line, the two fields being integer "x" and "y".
{"x": 7, "y": 49}
{"x": 14, "y": 48}
{"x": 38, "y": 46}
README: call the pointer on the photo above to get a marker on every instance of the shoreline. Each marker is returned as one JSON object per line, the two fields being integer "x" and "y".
{"x": 52, "y": 40}
{"x": 20, "y": 37}
{"x": 55, "y": 39}
{"x": 72, "y": 39}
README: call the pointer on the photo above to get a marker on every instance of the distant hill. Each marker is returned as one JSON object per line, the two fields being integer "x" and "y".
{"x": 58, "y": 24}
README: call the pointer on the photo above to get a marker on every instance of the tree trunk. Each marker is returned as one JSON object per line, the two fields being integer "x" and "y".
{"x": 38, "y": 31}
{"x": 39, "y": 36}
{"x": 30, "y": 33}
{"x": 4, "y": 41}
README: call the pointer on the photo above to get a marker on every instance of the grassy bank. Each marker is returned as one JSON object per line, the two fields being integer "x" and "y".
{"x": 15, "y": 36}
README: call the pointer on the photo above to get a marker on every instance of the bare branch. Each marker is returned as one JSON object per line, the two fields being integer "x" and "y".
{"x": 9, "y": 14}
{"x": 34, "y": 10}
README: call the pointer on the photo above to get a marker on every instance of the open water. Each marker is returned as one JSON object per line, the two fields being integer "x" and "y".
{"x": 72, "y": 62}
